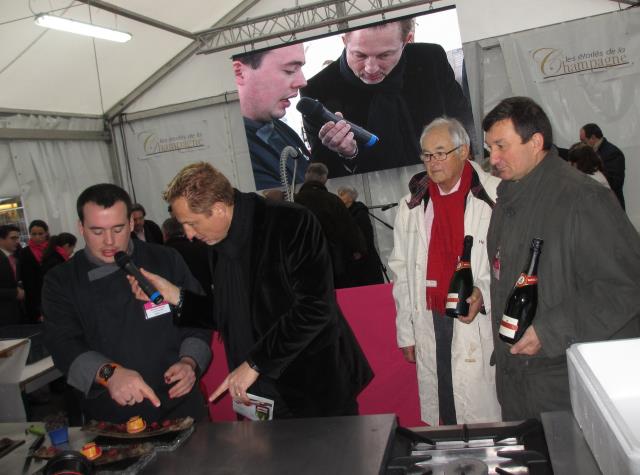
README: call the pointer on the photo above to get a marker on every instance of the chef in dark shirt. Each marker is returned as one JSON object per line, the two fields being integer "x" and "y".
{"x": 125, "y": 356}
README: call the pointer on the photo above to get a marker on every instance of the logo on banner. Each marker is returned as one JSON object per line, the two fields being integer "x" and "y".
{"x": 554, "y": 62}
{"x": 154, "y": 144}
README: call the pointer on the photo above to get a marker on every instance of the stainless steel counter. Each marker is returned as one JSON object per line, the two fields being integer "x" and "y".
{"x": 337, "y": 445}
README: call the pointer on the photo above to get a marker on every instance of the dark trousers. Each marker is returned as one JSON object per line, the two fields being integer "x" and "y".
{"x": 443, "y": 327}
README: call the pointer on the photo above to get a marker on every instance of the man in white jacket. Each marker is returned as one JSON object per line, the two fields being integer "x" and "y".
{"x": 452, "y": 199}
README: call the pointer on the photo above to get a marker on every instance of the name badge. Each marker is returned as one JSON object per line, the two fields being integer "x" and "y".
{"x": 151, "y": 310}
{"x": 431, "y": 283}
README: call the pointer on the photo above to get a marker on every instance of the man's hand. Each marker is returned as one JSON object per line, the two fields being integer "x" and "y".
{"x": 337, "y": 137}
{"x": 409, "y": 353}
{"x": 170, "y": 292}
{"x": 126, "y": 387}
{"x": 20, "y": 293}
{"x": 183, "y": 374}
{"x": 529, "y": 344}
{"x": 237, "y": 382}
{"x": 475, "y": 302}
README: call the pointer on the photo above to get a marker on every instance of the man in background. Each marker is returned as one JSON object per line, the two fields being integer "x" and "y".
{"x": 388, "y": 85}
{"x": 346, "y": 242}
{"x": 11, "y": 294}
{"x": 612, "y": 158}
{"x": 144, "y": 229}
{"x": 588, "y": 271}
{"x": 451, "y": 199}
{"x": 368, "y": 269}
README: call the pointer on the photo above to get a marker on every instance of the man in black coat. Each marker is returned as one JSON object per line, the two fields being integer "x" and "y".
{"x": 391, "y": 87}
{"x": 144, "y": 229}
{"x": 346, "y": 242}
{"x": 273, "y": 299}
{"x": 612, "y": 158}
{"x": 11, "y": 294}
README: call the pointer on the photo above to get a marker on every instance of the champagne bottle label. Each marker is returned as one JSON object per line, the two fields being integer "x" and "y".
{"x": 463, "y": 265}
{"x": 508, "y": 326}
{"x": 525, "y": 280}
{"x": 452, "y": 301}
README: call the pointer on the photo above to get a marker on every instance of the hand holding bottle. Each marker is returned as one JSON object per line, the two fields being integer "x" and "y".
{"x": 475, "y": 302}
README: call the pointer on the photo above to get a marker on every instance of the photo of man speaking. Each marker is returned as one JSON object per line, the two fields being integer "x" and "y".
{"x": 391, "y": 87}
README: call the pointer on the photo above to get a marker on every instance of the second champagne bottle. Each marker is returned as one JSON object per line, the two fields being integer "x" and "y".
{"x": 461, "y": 284}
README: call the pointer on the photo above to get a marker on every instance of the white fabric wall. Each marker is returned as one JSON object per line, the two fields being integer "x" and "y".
{"x": 488, "y": 18}
{"x": 158, "y": 147}
{"x": 50, "y": 174}
{"x": 609, "y": 97}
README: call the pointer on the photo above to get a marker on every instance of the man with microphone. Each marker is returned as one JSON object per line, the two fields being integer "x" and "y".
{"x": 388, "y": 85}
{"x": 266, "y": 82}
{"x": 274, "y": 301}
{"x": 125, "y": 356}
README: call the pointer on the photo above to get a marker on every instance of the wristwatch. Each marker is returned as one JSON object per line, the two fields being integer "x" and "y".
{"x": 105, "y": 372}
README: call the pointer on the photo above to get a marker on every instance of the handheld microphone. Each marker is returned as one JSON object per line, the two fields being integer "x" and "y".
{"x": 319, "y": 113}
{"x": 124, "y": 262}
{"x": 389, "y": 206}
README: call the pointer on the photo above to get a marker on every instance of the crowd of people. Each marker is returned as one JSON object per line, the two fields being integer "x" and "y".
{"x": 263, "y": 272}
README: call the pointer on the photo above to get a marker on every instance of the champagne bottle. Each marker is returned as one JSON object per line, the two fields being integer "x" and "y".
{"x": 461, "y": 284}
{"x": 523, "y": 299}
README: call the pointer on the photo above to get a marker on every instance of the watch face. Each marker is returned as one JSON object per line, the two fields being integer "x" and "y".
{"x": 107, "y": 371}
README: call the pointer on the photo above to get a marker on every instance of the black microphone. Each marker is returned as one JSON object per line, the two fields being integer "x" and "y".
{"x": 319, "y": 113}
{"x": 389, "y": 206}
{"x": 124, "y": 262}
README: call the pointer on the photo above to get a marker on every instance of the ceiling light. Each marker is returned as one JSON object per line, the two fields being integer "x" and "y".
{"x": 80, "y": 28}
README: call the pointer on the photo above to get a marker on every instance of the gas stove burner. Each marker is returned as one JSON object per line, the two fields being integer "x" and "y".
{"x": 466, "y": 466}
{"x": 513, "y": 448}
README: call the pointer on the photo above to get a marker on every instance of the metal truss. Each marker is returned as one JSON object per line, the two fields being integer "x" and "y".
{"x": 287, "y": 23}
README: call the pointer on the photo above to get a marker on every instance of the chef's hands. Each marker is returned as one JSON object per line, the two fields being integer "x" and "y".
{"x": 237, "y": 382}
{"x": 170, "y": 292}
{"x": 529, "y": 344}
{"x": 409, "y": 353}
{"x": 337, "y": 137}
{"x": 183, "y": 374}
{"x": 126, "y": 387}
{"x": 475, "y": 302}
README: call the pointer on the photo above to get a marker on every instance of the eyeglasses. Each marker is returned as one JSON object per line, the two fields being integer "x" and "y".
{"x": 439, "y": 156}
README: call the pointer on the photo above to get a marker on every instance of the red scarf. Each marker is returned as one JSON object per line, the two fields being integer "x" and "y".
{"x": 37, "y": 248}
{"x": 63, "y": 252}
{"x": 447, "y": 238}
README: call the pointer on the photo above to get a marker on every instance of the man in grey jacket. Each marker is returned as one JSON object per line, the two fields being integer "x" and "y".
{"x": 589, "y": 270}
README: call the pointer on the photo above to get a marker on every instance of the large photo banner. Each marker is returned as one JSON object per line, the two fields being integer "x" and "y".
{"x": 382, "y": 80}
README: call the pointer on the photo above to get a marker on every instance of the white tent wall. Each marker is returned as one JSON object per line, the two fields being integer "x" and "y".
{"x": 610, "y": 97}
{"x": 158, "y": 147}
{"x": 49, "y": 175}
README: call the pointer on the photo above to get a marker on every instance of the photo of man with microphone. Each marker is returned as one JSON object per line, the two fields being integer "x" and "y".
{"x": 387, "y": 85}
{"x": 267, "y": 81}
{"x": 125, "y": 357}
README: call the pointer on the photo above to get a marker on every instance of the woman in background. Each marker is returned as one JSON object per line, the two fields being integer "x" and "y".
{"x": 59, "y": 250}
{"x": 584, "y": 158}
{"x": 31, "y": 270}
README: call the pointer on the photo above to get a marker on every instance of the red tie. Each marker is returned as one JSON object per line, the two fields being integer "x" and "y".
{"x": 12, "y": 261}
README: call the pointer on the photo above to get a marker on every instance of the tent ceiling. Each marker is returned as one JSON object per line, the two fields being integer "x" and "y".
{"x": 47, "y": 70}
{"x": 51, "y": 71}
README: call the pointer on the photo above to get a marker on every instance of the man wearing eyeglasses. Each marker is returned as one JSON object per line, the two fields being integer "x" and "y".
{"x": 451, "y": 199}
